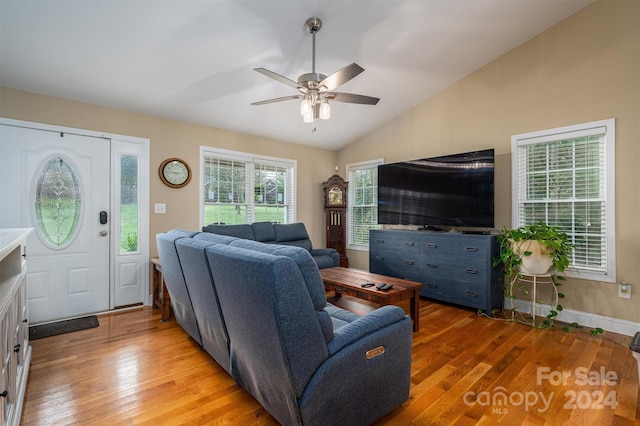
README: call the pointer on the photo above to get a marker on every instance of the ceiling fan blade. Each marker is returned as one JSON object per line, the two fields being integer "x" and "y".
{"x": 352, "y": 98}
{"x": 284, "y": 98}
{"x": 281, "y": 79}
{"x": 340, "y": 77}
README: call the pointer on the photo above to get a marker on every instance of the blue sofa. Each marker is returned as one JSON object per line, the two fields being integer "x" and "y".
{"x": 293, "y": 234}
{"x": 262, "y": 314}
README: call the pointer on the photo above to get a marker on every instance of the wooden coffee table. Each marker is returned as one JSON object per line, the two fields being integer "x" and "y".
{"x": 349, "y": 281}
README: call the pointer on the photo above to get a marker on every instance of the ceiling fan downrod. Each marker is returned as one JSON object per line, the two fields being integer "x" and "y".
{"x": 313, "y": 25}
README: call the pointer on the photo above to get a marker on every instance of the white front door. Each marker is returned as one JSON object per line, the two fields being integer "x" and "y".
{"x": 59, "y": 184}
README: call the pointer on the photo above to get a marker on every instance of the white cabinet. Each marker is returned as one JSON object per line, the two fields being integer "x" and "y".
{"x": 14, "y": 324}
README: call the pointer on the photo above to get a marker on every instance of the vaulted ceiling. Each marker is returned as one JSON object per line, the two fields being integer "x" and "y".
{"x": 193, "y": 60}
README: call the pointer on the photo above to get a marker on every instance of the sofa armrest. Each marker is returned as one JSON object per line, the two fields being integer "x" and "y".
{"x": 329, "y": 252}
{"x": 322, "y": 252}
{"x": 378, "y": 384}
{"x": 373, "y": 321}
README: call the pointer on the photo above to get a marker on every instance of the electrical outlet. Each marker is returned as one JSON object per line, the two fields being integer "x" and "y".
{"x": 160, "y": 208}
{"x": 624, "y": 290}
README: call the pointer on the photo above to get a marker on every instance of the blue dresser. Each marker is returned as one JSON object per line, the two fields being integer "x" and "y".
{"x": 452, "y": 267}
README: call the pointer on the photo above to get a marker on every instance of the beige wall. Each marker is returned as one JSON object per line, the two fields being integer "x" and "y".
{"x": 171, "y": 138}
{"x": 585, "y": 68}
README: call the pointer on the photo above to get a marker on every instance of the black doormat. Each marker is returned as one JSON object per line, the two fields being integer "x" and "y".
{"x": 62, "y": 327}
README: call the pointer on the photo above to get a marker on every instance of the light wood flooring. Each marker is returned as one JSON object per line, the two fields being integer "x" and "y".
{"x": 133, "y": 369}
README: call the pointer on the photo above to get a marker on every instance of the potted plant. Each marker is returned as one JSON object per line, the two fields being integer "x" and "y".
{"x": 533, "y": 250}
{"x": 537, "y": 249}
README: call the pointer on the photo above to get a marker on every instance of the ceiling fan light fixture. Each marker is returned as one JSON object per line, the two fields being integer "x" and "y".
{"x": 308, "y": 117}
{"x": 305, "y": 107}
{"x": 325, "y": 110}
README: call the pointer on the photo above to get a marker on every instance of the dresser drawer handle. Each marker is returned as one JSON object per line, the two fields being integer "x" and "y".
{"x": 471, "y": 249}
{"x": 379, "y": 241}
{"x": 470, "y": 293}
{"x": 431, "y": 265}
{"x": 408, "y": 262}
{"x": 430, "y": 285}
{"x": 408, "y": 243}
{"x": 431, "y": 245}
{"x": 379, "y": 258}
{"x": 471, "y": 271}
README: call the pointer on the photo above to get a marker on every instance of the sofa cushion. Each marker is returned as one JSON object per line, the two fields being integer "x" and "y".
{"x": 310, "y": 275}
{"x": 214, "y": 238}
{"x": 238, "y": 231}
{"x": 263, "y": 231}
{"x": 305, "y": 263}
{"x": 292, "y": 234}
{"x": 182, "y": 232}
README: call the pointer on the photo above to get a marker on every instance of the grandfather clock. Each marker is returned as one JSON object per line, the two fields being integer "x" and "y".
{"x": 335, "y": 205}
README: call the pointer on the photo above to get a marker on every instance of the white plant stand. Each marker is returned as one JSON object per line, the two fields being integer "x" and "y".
{"x": 534, "y": 280}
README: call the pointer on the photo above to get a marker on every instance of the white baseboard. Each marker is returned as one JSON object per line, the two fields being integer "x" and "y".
{"x": 615, "y": 325}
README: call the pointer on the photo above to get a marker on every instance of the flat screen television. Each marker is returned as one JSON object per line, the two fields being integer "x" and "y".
{"x": 448, "y": 191}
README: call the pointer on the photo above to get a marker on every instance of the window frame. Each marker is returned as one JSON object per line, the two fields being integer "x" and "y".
{"x": 251, "y": 161}
{"x": 600, "y": 127}
{"x": 353, "y": 168}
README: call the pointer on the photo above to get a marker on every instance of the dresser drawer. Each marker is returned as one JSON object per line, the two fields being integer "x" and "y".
{"x": 395, "y": 242}
{"x": 458, "y": 271}
{"x": 395, "y": 269}
{"x": 472, "y": 294}
{"x": 454, "y": 248}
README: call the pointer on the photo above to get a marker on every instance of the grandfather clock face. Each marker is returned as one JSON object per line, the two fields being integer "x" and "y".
{"x": 336, "y": 196}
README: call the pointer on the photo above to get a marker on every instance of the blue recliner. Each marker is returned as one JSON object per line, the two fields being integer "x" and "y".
{"x": 303, "y": 365}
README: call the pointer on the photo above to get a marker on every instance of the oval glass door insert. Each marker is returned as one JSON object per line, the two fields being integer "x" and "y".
{"x": 57, "y": 202}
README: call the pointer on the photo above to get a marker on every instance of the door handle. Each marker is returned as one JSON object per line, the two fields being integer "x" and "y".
{"x": 103, "y": 233}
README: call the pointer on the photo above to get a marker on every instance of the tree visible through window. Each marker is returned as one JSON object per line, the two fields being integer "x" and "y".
{"x": 238, "y": 188}
{"x": 564, "y": 177}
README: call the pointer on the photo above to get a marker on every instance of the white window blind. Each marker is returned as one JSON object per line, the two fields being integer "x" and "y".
{"x": 362, "y": 203}
{"x": 243, "y": 188}
{"x": 564, "y": 177}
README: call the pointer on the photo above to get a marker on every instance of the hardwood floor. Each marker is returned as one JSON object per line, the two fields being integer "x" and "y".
{"x": 133, "y": 369}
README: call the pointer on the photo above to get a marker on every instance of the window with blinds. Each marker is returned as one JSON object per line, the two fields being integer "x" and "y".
{"x": 565, "y": 177}
{"x": 244, "y": 188}
{"x": 362, "y": 203}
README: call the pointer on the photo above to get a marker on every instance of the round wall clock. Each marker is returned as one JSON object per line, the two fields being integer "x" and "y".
{"x": 174, "y": 172}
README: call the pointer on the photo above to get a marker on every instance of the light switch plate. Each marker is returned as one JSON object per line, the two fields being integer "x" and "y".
{"x": 160, "y": 208}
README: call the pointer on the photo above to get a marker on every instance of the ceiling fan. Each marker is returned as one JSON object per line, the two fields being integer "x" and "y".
{"x": 316, "y": 90}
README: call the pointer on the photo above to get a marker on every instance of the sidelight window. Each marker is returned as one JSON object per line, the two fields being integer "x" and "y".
{"x": 129, "y": 196}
